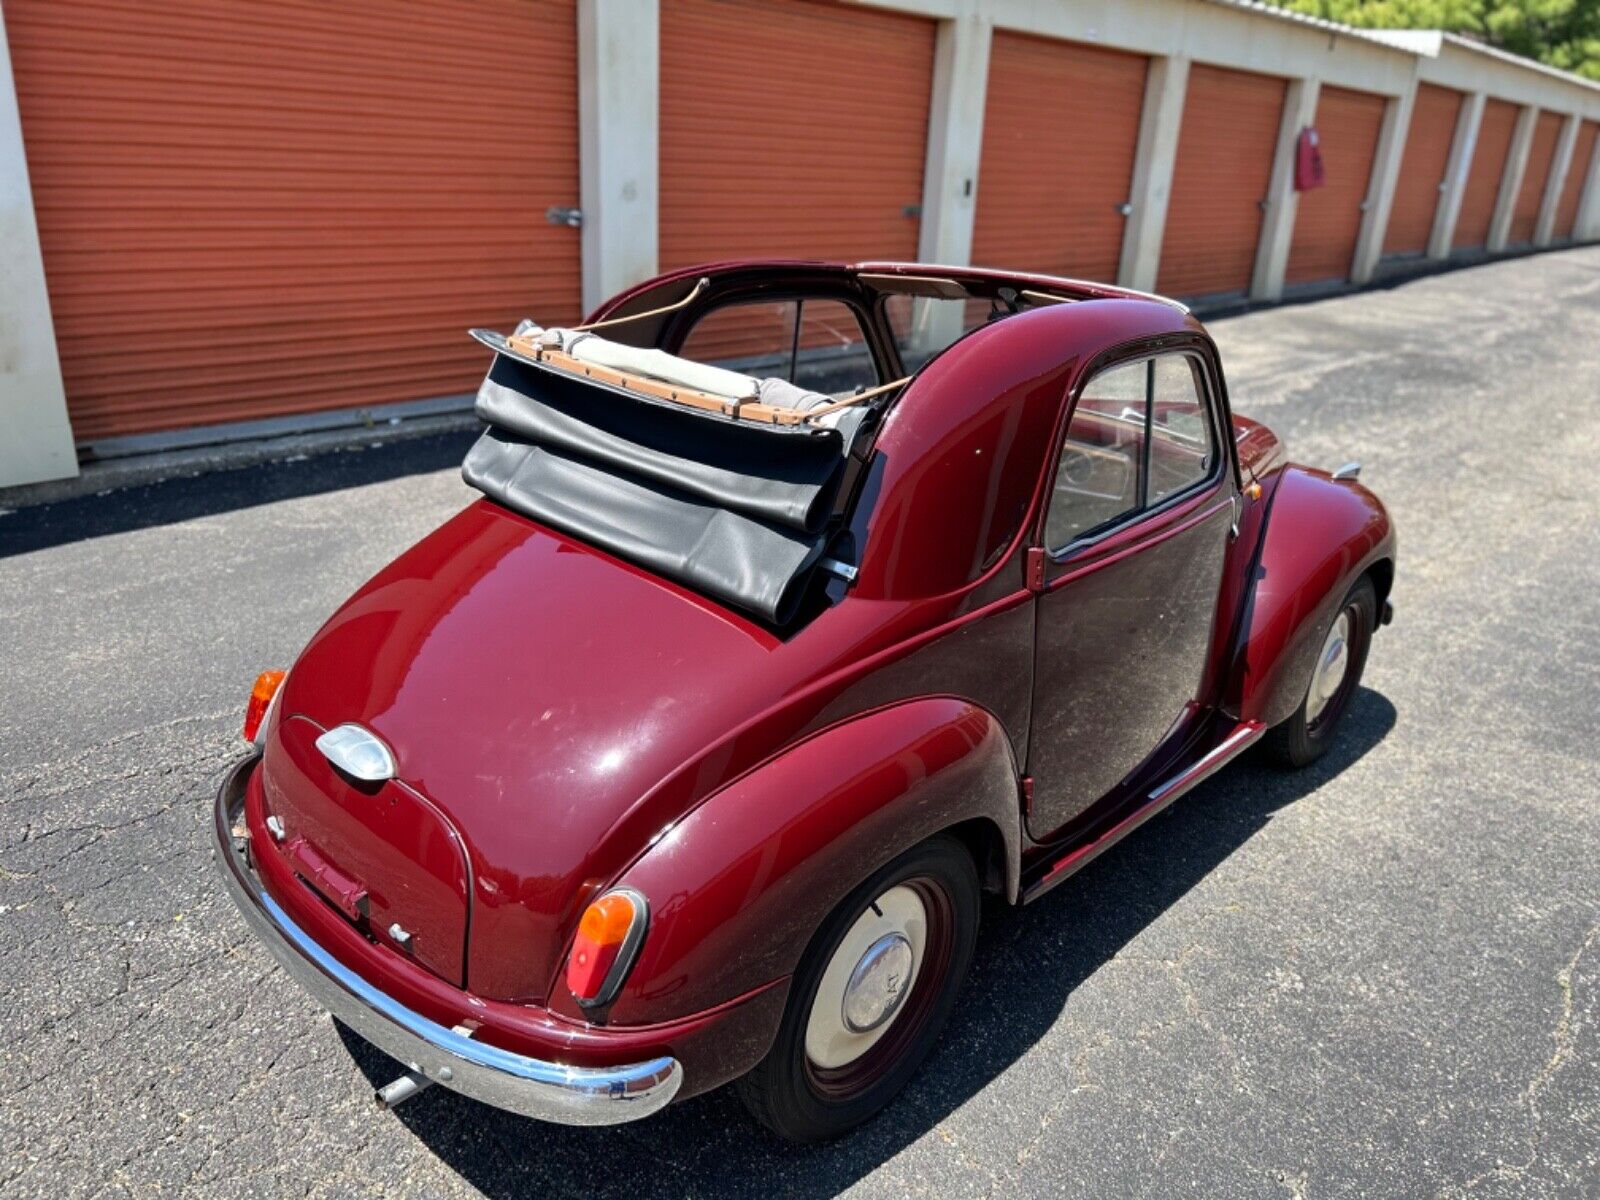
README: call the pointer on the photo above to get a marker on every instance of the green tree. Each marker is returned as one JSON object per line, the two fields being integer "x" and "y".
{"x": 1563, "y": 33}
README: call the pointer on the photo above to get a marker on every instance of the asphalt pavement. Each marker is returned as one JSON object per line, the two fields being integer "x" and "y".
{"x": 1376, "y": 977}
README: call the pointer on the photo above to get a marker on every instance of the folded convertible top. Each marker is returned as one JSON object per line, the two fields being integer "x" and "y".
{"x": 738, "y": 510}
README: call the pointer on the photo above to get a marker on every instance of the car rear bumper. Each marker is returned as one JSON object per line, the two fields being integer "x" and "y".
{"x": 533, "y": 1087}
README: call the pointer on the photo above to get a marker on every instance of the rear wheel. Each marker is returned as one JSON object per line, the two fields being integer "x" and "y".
{"x": 872, "y": 993}
{"x": 1306, "y": 736}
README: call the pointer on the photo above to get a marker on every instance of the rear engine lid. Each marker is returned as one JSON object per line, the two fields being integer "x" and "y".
{"x": 378, "y": 853}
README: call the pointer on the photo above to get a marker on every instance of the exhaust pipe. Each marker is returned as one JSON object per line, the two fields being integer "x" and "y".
{"x": 408, "y": 1085}
{"x": 401, "y": 1090}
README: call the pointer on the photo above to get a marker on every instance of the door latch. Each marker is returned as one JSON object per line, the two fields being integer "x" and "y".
{"x": 572, "y": 218}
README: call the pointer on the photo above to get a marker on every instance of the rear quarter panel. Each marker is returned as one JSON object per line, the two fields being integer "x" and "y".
{"x": 740, "y": 885}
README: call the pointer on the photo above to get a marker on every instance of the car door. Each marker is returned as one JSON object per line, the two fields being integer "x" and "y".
{"x": 1136, "y": 530}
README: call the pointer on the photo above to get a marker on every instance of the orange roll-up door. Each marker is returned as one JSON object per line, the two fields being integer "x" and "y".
{"x": 1061, "y": 127}
{"x": 1224, "y": 165}
{"x": 1422, "y": 169}
{"x": 1483, "y": 179}
{"x": 257, "y": 210}
{"x": 1535, "y": 177}
{"x": 1328, "y": 219}
{"x": 791, "y": 130}
{"x": 1583, "y": 151}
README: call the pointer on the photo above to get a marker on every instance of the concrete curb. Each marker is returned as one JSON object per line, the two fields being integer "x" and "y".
{"x": 114, "y": 474}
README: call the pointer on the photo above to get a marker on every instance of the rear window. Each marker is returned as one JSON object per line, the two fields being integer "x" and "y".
{"x": 813, "y": 343}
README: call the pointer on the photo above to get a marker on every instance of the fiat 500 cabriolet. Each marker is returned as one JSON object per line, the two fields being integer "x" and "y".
{"x": 803, "y": 604}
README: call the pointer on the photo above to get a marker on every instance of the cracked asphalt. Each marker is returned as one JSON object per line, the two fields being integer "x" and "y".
{"x": 1375, "y": 977}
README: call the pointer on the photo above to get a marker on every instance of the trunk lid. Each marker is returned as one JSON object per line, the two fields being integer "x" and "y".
{"x": 378, "y": 853}
{"x": 533, "y": 692}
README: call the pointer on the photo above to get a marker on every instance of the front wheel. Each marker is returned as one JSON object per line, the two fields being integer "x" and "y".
{"x": 1306, "y": 736}
{"x": 872, "y": 993}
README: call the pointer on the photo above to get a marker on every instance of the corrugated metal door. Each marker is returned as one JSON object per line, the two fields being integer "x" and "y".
{"x": 1061, "y": 126}
{"x": 1220, "y": 178}
{"x": 1535, "y": 177}
{"x": 250, "y": 211}
{"x": 1422, "y": 169}
{"x": 1328, "y": 219}
{"x": 1483, "y": 180}
{"x": 1577, "y": 173}
{"x": 794, "y": 130}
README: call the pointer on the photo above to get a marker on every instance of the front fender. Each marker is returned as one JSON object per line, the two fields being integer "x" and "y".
{"x": 1320, "y": 535}
{"x": 740, "y": 885}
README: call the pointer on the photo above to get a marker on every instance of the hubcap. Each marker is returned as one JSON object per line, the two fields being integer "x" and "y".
{"x": 1333, "y": 662}
{"x": 878, "y": 984}
{"x": 867, "y": 979}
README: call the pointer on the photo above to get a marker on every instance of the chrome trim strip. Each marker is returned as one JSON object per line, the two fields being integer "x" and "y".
{"x": 1219, "y": 756}
{"x": 1350, "y": 470}
{"x": 547, "y": 1091}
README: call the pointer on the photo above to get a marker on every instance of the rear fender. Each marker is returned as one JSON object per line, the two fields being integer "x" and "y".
{"x": 740, "y": 885}
{"x": 1320, "y": 536}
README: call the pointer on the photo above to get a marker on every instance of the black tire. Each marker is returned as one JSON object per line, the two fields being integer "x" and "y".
{"x": 1301, "y": 740}
{"x": 786, "y": 1092}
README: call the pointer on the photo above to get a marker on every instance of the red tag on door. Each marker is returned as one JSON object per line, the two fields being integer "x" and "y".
{"x": 1308, "y": 169}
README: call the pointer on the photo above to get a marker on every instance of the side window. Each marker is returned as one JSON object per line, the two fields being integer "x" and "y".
{"x": 1138, "y": 435}
{"x": 816, "y": 344}
{"x": 1182, "y": 446}
{"x": 1097, "y": 480}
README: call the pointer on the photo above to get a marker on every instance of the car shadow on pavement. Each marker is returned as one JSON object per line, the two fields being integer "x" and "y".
{"x": 1027, "y": 965}
{"x": 185, "y": 497}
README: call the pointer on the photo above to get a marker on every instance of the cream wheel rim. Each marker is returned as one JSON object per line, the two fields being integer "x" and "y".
{"x": 864, "y": 987}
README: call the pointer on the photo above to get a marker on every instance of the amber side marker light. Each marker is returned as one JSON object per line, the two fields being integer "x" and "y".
{"x": 609, "y": 936}
{"x": 261, "y": 698}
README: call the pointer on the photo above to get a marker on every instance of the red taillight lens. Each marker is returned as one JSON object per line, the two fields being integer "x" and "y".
{"x": 267, "y": 685}
{"x": 609, "y": 935}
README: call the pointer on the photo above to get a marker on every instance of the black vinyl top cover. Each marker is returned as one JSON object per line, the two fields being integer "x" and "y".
{"x": 737, "y": 510}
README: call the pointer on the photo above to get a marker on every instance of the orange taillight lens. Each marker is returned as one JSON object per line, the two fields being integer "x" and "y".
{"x": 267, "y": 685}
{"x": 609, "y": 935}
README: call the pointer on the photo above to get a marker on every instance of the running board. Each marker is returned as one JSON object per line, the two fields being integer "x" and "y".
{"x": 1239, "y": 740}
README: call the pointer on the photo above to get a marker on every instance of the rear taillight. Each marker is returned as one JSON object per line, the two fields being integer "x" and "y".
{"x": 261, "y": 698}
{"x": 609, "y": 936}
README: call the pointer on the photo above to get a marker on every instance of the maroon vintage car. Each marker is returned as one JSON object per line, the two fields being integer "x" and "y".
{"x": 803, "y": 604}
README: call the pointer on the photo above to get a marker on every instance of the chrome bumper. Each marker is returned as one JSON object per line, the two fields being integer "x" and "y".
{"x": 532, "y": 1087}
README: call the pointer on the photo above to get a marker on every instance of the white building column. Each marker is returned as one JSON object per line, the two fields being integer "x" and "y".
{"x": 35, "y": 435}
{"x": 619, "y": 72}
{"x": 1380, "y": 187}
{"x": 1560, "y": 164}
{"x": 1505, "y": 206}
{"x": 1587, "y": 226}
{"x": 1160, "y": 122}
{"x": 1454, "y": 185}
{"x": 1283, "y": 202}
{"x": 950, "y": 170}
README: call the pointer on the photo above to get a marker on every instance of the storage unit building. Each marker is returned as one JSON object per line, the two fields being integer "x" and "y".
{"x": 1061, "y": 126}
{"x": 1422, "y": 169}
{"x": 1535, "y": 177}
{"x": 1583, "y": 152}
{"x": 773, "y": 142}
{"x": 1328, "y": 218}
{"x": 1483, "y": 181}
{"x": 252, "y": 212}
{"x": 1219, "y": 181}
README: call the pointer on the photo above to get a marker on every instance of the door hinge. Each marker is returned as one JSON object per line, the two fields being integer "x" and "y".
{"x": 572, "y": 218}
{"x": 1034, "y": 565}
